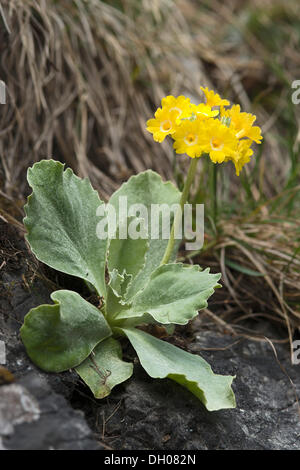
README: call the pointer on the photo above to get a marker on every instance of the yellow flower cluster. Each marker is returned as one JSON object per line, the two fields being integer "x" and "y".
{"x": 207, "y": 128}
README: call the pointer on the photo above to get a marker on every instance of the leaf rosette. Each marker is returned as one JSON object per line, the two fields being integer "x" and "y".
{"x": 61, "y": 222}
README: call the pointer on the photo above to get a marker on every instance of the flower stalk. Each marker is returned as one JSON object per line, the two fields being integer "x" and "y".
{"x": 178, "y": 216}
{"x": 214, "y": 180}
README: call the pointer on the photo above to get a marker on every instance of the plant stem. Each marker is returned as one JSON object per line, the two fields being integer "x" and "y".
{"x": 178, "y": 215}
{"x": 214, "y": 193}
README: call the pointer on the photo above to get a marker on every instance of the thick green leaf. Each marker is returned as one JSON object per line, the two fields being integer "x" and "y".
{"x": 127, "y": 255}
{"x": 60, "y": 336}
{"x": 104, "y": 368}
{"x": 161, "y": 360}
{"x": 173, "y": 294}
{"x": 61, "y": 223}
{"x": 147, "y": 188}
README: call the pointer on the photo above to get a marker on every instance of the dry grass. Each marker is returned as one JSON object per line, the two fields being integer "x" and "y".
{"x": 83, "y": 77}
{"x": 260, "y": 265}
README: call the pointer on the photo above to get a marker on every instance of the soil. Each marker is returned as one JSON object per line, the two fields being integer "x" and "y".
{"x": 56, "y": 411}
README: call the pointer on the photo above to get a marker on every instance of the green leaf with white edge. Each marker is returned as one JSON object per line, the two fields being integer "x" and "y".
{"x": 147, "y": 188}
{"x": 60, "y": 336}
{"x": 104, "y": 368}
{"x": 126, "y": 254}
{"x": 163, "y": 360}
{"x": 173, "y": 294}
{"x": 119, "y": 282}
{"x": 61, "y": 220}
{"x": 116, "y": 289}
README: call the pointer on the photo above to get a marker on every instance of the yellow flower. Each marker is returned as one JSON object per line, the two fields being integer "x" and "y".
{"x": 187, "y": 138}
{"x": 198, "y": 129}
{"x": 164, "y": 124}
{"x": 181, "y": 105}
{"x": 217, "y": 140}
{"x": 213, "y": 99}
{"x": 203, "y": 111}
{"x": 243, "y": 155}
{"x": 242, "y": 124}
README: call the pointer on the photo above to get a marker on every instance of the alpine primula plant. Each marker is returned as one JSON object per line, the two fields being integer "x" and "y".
{"x": 137, "y": 280}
